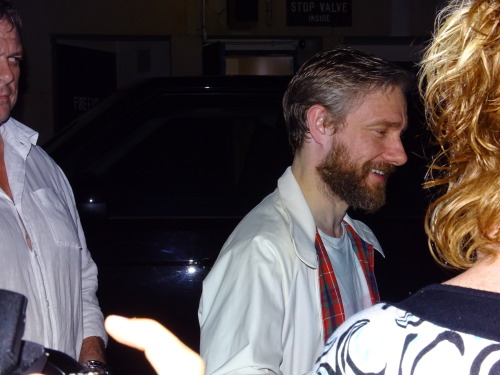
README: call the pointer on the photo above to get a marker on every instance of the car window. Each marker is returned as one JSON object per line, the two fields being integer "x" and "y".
{"x": 176, "y": 159}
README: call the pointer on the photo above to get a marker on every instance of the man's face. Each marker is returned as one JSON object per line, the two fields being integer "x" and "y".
{"x": 10, "y": 56}
{"x": 366, "y": 150}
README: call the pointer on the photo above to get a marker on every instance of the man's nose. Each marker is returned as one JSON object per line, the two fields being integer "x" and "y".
{"x": 6, "y": 74}
{"x": 395, "y": 153}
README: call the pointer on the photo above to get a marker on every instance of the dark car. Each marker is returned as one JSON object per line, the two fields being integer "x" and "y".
{"x": 162, "y": 172}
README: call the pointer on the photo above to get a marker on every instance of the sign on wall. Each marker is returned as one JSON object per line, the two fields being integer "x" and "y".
{"x": 319, "y": 13}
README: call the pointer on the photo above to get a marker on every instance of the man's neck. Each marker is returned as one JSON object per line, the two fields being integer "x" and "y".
{"x": 4, "y": 180}
{"x": 327, "y": 210}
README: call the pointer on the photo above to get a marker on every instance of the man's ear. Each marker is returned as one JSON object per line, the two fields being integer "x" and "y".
{"x": 317, "y": 121}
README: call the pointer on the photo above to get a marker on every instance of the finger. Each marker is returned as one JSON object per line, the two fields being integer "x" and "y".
{"x": 166, "y": 353}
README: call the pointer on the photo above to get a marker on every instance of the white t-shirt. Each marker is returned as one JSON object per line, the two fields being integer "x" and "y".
{"x": 350, "y": 277}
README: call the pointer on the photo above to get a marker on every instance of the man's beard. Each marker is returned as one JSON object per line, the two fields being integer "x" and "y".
{"x": 347, "y": 181}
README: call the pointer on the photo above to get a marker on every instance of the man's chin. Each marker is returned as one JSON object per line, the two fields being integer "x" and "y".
{"x": 373, "y": 202}
{"x": 4, "y": 112}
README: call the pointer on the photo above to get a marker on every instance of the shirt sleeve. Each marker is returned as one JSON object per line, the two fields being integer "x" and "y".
{"x": 242, "y": 309}
{"x": 93, "y": 319}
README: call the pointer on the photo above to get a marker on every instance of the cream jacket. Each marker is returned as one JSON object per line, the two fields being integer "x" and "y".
{"x": 260, "y": 310}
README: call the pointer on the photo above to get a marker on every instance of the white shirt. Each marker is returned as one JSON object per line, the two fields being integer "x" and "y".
{"x": 348, "y": 272}
{"x": 57, "y": 275}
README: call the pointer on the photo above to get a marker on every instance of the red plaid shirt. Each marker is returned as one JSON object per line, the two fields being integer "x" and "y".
{"x": 331, "y": 301}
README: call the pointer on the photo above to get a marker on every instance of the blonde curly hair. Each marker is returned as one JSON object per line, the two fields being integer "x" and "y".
{"x": 460, "y": 85}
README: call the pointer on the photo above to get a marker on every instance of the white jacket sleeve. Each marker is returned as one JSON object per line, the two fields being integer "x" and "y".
{"x": 242, "y": 310}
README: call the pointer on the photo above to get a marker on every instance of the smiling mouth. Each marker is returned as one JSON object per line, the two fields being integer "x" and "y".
{"x": 377, "y": 171}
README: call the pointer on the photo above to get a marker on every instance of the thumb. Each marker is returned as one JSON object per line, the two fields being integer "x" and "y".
{"x": 166, "y": 353}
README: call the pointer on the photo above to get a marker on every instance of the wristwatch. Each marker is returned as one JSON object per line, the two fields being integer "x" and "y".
{"x": 96, "y": 367}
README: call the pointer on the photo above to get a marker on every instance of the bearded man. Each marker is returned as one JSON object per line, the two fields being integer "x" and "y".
{"x": 297, "y": 265}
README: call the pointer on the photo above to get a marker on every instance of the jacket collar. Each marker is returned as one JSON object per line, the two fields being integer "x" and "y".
{"x": 301, "y": 222}
{"x": 364, "y": 232}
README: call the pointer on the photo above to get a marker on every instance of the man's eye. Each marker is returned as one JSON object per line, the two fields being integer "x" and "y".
{"x": 15, "y": 59}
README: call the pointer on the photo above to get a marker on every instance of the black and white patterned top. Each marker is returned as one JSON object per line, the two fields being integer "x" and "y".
{"x": 440, "y": 330}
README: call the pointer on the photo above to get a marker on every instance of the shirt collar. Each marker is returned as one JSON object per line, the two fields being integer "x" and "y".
{"x": 17, "y": 133}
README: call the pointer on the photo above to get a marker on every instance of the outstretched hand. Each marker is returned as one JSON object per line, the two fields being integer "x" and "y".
{"x": 166, "y": 353}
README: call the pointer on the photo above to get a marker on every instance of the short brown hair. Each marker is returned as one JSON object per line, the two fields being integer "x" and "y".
{"x": 336, "y": 79}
